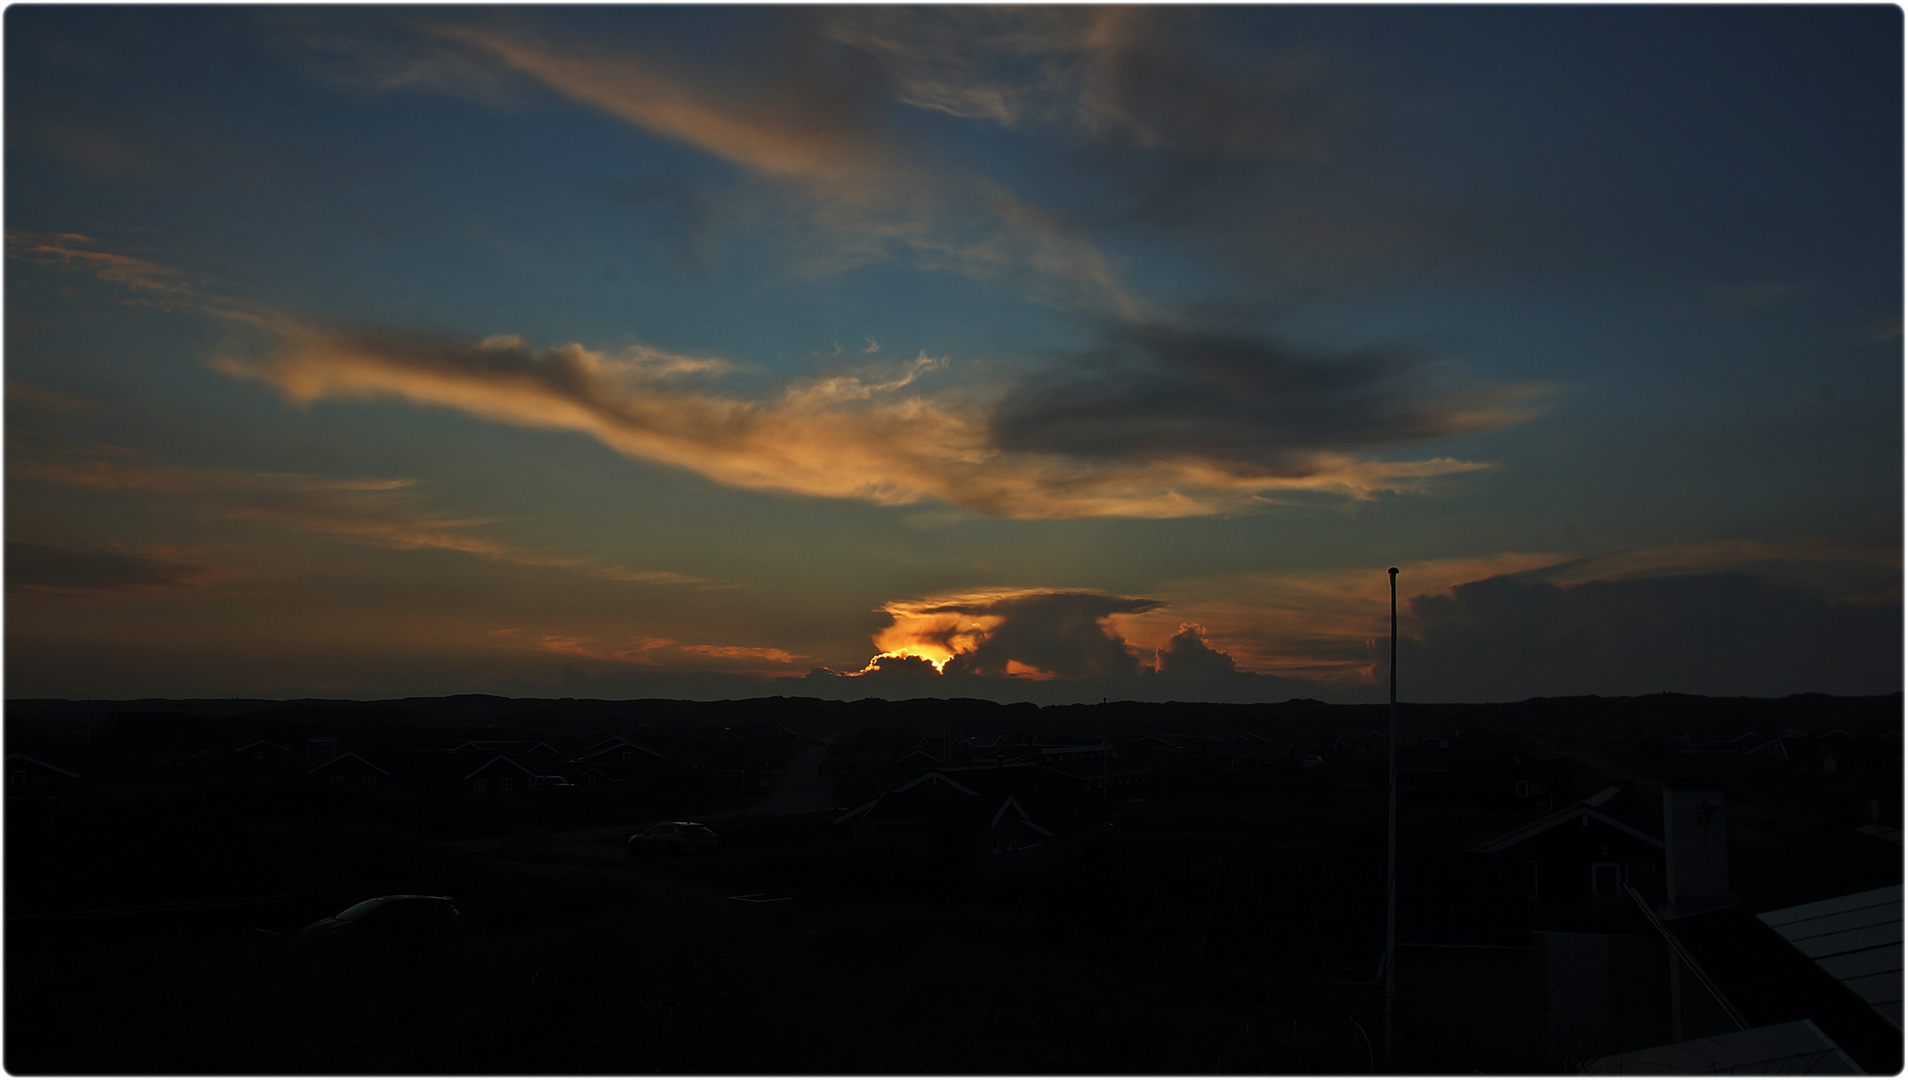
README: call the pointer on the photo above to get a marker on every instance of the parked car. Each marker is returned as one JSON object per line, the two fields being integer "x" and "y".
{"x": 540, "y": 783}
{"x": 390, "y": 918}
{"x": 674, "y": 838}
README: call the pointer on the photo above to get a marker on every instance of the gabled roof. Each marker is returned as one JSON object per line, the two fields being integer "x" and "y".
{"x": 1585, "y": 810}
{"x": 611, "y": 745}
{"x": 347, "y": 754}
{"x": 1795, "y": 1048}
{"x": 449, "y": 764}
{"x": 43, "y": 765}
{"x": 262, "y": 743}
{"x": 977, "y": 799}
{"x": 515, "y": 747}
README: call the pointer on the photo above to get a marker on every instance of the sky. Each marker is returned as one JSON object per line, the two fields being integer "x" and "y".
{"x": 1041, "y": 354}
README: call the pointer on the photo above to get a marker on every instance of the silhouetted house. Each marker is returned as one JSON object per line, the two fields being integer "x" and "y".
{"x": 476, "y": 773}
{"x": 1520, "y": 785}
{"x": 350, "y": 769}
{"x": 983, "y": 822}
{"x": 921, "y": 756}
{"x": 26, "y": 774}
{"x": 618, "y": 751}
{"x": 601, "y": 773}
{"x": 1588, "y": 850}
{"x": 52, "y": 767}
{"x": 263, "y": 754}
{"x": 1115, "y": 778}
{"x": 521, "y": 749}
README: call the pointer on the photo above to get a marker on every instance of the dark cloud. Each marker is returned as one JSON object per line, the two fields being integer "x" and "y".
{"x": 1510, "y": 638}
{"x": 1061, "y": 633}
{"x": 34, "y": 567}
{"x": 1156, "y": 391}
{"x": 1188, "y": 656}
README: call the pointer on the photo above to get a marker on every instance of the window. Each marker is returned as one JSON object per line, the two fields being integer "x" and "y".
{"x": 19, "y": 776}
{"x": 1523, "y": 789}
{"x": 509, "y": 786}
{"x": 367, "y": 780}
{"x": 629, "y": 755}
{"x": 340, "y": 781}
{"x": 1605, "y": 879}
{"x": 477, "y": 787}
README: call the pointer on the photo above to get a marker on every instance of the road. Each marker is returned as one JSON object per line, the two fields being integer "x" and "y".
{"x": 802, "y": 789}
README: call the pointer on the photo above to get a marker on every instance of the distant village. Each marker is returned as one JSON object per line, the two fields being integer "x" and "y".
{"x": 1663, "y": 884}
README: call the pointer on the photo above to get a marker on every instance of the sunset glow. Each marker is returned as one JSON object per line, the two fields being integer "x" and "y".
{"x": 1049, "y": 354}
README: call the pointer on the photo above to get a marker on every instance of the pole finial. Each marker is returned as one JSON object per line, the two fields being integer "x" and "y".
{"x": 1393, "y": 571}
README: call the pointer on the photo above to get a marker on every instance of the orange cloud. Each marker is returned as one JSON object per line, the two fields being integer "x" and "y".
{"x": 1231, "y": 436}
{"x": 874, "y": 436}
{"x": 38, "y": 397}
{"x": 1042, "y": 633}
{"x": 780, "y": 656}
{"x": 66, "y": 251}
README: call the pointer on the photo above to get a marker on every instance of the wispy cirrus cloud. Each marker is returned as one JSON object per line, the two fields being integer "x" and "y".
{"x": 70, "y": 571}
{"x": 44, "y": 400}
{"x": 75, "y": 251}
{"x": 375, "y": 512}
{"x": 1104, "y": 71}
{"x": 640, "y": 651}
{"x": 815, "y": 138}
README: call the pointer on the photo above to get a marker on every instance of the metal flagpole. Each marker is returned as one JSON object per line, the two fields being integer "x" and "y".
{"x": 1391, "y": 838}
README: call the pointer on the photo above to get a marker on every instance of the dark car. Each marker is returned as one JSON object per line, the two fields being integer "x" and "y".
{"x": 674, "y": 838}
{"x": 390, "y": 918}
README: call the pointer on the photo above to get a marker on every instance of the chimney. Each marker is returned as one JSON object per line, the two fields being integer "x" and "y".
{"x": 1695, "y": 849}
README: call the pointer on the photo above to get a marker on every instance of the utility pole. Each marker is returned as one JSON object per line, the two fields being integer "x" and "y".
{"x": 1391, "y": 840}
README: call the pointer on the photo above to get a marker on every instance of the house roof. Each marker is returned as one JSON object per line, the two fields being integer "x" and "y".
{"x": 1769, "y": 981}
{"x": 348, "y": 755}
{"x": 449, "y": 764}
{"x": 1856, "y": 938}
{"x": 1602, "y": 807}
{"x": 1796, "y": 1048}
{"x": 978, "y": 798}
{"x": 1324, "y": 911}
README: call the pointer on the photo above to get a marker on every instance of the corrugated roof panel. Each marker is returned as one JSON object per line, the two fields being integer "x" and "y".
{"x": 1795, "y": 1048}
{"x": 1819, "y": 908}
{"x": 1867, "y": 962}
{"x": 1877, "y": 989}
{"x": 1846, "y": 920}
{"x": 1856, "y": 938}
{"x": 1868, "y": 937}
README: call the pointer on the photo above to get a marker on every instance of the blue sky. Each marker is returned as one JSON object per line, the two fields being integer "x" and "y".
{"x": 1035, "y": 354}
